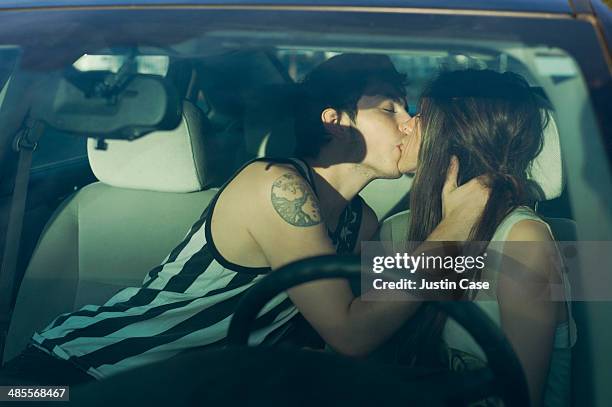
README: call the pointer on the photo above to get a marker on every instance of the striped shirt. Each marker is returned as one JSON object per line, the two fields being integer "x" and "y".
{"x": 184, "y": 303}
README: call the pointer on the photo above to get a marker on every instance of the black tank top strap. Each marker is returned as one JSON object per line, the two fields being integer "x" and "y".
{"x": 346, "y": 234}
{"x": 297, "y": 163}
{"x": 305, "y": 171}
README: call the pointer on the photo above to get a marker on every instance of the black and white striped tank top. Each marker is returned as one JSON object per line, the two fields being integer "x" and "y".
{"x": 184, "y": 303}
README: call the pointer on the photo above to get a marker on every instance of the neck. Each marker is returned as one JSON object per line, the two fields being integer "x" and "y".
{"x": 337, "y": 184}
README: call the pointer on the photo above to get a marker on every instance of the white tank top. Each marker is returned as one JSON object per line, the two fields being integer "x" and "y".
{"x": 557, "y": 392}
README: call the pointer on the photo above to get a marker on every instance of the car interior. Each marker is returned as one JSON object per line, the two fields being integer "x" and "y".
{"x": 101, "y": 213}
{"x": 149, "y": 191}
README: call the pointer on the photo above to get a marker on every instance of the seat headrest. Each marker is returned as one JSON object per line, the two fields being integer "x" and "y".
{"x": 546, "y": 168}
{"x": 163, "y": 161}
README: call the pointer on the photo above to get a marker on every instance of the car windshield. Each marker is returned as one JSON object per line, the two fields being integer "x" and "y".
{"x": 143, "y": 115}
{"x": 226, "y": 62}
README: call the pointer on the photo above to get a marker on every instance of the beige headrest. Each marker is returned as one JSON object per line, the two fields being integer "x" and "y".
{"x": 547, "y": 168}
{"x": 164, "y": 161}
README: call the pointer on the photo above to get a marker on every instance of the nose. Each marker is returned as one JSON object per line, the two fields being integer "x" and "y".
{"x": 407, "y": 125}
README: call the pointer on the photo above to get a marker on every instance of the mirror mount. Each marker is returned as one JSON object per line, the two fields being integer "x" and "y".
{"x": 101, "y": 84}
{"x": 101, "y": 144}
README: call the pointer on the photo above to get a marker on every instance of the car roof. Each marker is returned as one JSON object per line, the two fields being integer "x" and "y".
{"x": 544, "y": 6}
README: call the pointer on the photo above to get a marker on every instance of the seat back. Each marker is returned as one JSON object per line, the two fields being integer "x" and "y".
{"x": 108, "y": 235}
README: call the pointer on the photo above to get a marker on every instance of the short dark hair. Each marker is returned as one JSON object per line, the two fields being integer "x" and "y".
{"x": 339, "y": 83}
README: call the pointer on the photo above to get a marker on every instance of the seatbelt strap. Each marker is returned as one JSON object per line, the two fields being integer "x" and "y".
{"x": 25, "y": 143}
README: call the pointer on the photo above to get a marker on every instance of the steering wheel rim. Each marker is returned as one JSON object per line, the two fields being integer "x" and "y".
{"x": 507, "y": 373}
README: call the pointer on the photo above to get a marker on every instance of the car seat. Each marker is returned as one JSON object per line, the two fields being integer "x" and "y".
{"x": 109, "y": 234}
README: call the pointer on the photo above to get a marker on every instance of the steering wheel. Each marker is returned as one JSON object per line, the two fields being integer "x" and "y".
{"x": 503, "y": 377}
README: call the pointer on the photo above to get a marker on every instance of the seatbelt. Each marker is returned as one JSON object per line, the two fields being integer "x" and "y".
{"x": 25, "y": 143}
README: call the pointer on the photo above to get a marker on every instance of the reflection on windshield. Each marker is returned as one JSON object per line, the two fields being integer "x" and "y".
{"x": 146, "y": 64}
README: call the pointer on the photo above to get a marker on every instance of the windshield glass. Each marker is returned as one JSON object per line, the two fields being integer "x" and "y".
{"x": 148, "y": 116}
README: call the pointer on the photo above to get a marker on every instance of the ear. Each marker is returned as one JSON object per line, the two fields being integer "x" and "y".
{"x": 331, "y": 120}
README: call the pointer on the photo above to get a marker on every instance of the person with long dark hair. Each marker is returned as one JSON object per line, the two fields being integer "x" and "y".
{"x": 491, "y": 124}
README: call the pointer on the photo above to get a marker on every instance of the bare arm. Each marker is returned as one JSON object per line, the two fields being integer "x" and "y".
{"x": 528, "y": 316}
{"x": 289, "y": 227}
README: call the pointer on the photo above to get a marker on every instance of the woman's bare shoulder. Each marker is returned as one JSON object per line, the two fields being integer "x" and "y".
{"x": 529, "y": 230}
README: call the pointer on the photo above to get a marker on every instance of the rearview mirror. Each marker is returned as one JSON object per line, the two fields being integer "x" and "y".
{"x": 103, "y": 105}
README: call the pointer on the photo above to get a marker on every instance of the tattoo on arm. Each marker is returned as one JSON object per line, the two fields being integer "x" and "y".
{"x": 294, "y": 201}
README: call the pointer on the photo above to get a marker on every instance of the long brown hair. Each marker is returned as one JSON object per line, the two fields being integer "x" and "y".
{"x": 493, "y": 123}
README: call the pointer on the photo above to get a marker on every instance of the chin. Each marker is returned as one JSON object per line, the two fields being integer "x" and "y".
{"x": 407, "y": 169}
{"x": 392, "y": 174}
